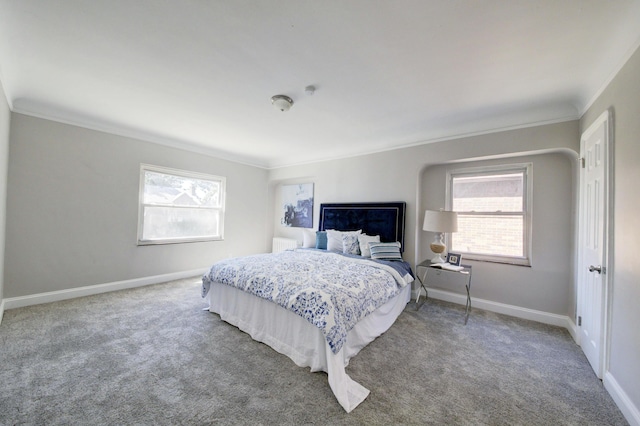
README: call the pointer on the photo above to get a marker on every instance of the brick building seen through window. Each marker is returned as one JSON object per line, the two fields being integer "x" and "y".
{"x": 493, "y": 214}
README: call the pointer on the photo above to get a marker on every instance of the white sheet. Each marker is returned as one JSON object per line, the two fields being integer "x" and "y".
{"x": 305, "y": 344}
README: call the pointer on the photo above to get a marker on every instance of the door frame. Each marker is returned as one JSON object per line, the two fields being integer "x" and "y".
{"x": 608, "y": 227}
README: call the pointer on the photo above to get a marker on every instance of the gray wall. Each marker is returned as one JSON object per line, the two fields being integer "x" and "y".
{"x": 622, "y": 96}
{"x": 4, "y": 164}
{"x": 399, "y": 175}
{"x": 547, "y": 284}
{"x": 72, "y": 209}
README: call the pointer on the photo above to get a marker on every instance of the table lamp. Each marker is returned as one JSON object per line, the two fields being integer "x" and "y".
{"x": 439, "y": 222}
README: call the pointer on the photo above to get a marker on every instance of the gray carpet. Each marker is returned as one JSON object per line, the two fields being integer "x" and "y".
{"x": 152, "y": 356}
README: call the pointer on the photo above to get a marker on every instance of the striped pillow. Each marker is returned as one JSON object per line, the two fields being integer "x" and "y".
{"x": 385, "y": 251}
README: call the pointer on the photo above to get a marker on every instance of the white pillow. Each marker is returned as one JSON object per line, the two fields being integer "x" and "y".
{"x": 308, "y": 238}
{"x": 334, "y": 239}
{"x": 364, "y": 241}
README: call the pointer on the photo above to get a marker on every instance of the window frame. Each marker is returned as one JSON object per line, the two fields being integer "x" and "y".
{"x": 182, "y": 174}
{"x": 527, "y": 170}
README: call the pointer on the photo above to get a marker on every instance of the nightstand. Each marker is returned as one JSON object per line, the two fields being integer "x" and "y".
{"x": 434, "y": 274}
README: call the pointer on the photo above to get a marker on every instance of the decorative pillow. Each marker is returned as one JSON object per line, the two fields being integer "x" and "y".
{"x": 385, "y": 251}
{"x": 350, "y": 243}
{"x": 364, "y": 240}
{"x": 334, "y": 239}
{"x": 321, "y": 240}
{"x": 308, "y": 238}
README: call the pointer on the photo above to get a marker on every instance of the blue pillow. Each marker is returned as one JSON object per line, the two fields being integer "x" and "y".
{"x": 385, "y": 251}
{"x": 321, "y": 240}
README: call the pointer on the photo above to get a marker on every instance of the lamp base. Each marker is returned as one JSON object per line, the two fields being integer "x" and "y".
{"x": 438, "y": 247}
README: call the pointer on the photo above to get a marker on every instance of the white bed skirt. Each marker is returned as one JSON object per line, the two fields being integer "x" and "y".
{"x": 305, "y": 344}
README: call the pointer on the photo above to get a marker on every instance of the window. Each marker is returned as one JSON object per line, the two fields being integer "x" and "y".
{"x": 494, "y": 213}
{"x": 178, "y": 206}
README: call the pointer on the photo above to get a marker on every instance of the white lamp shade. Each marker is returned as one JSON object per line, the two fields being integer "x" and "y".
{"x": 440, "y": 221}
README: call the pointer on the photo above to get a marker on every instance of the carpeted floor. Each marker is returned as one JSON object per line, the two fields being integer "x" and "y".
{"x": 152, "y": 356}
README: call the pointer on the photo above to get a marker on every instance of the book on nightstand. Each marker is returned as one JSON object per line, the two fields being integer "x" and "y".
{"x": 447, "y": 266}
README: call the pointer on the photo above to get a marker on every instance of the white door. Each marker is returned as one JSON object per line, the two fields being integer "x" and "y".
{"x": 592, "y": 264}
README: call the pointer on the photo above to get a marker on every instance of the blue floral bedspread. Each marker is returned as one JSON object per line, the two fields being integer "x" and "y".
{"x": 331, "y": 291}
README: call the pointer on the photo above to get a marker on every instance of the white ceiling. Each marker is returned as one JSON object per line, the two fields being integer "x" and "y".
{"x": 200, "y": 74}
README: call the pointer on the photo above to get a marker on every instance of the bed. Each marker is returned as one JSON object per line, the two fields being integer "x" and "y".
{"x": 318, "y": 305}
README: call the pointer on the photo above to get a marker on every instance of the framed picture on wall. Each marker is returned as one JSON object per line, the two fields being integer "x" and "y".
{"x": 297, "y": 203}
{"x": 454, "y": 259}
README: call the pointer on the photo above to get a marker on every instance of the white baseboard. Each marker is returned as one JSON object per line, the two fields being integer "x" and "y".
{"x": 511, "y": 310}
{"x": 1, "y": 309}
{"x": 54, "y": 296}
{"x": 622, "y": 400}
{"x": 572, "y": 328}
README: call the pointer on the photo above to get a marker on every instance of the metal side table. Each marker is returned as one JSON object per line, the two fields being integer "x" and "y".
{"x": 445, "y": 275}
